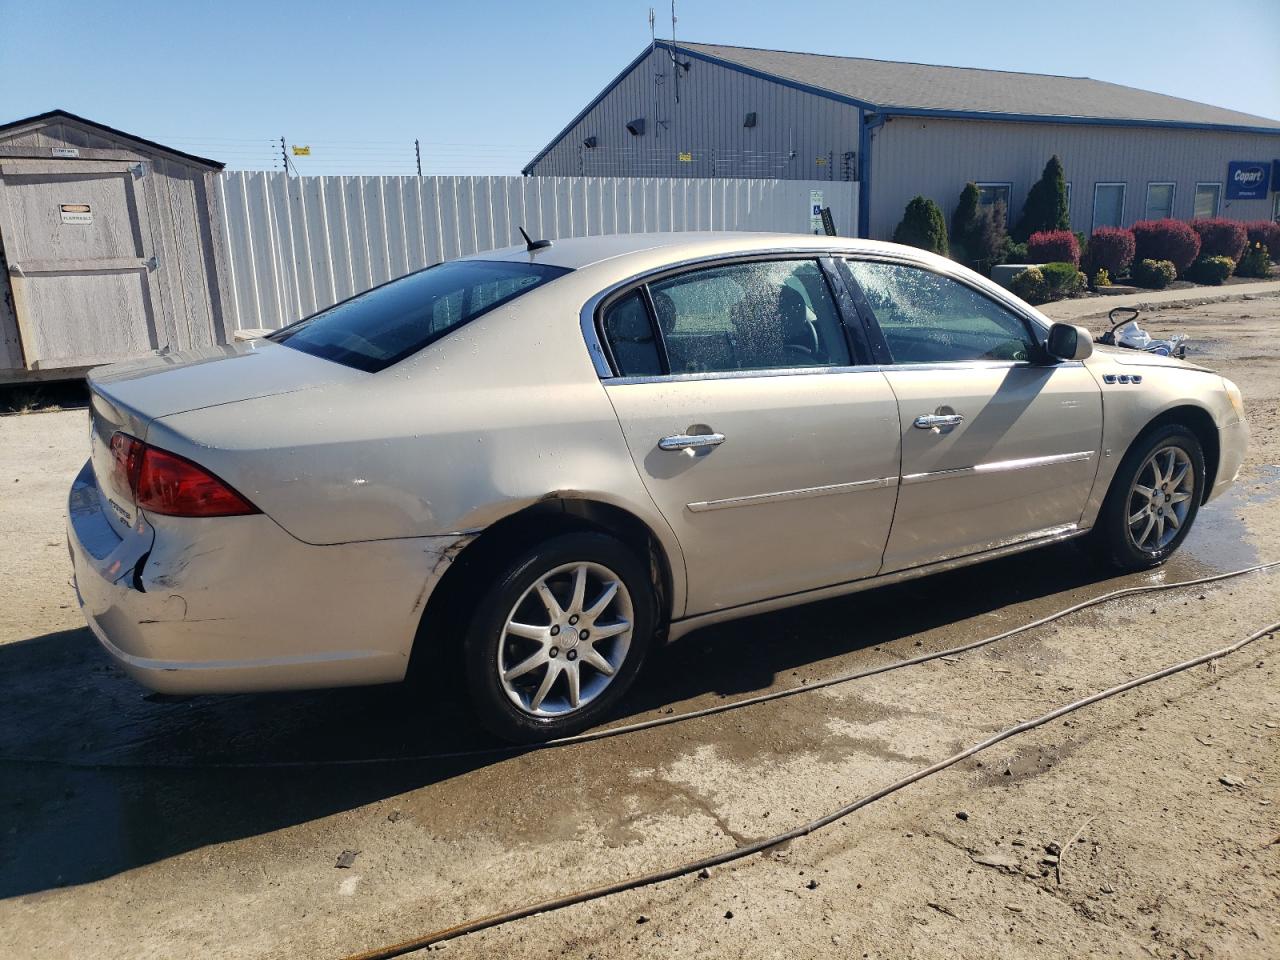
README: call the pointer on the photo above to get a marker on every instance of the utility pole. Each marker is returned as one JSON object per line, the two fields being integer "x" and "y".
{"x": 284, "y": 157}
{"x": 417, "y": 154}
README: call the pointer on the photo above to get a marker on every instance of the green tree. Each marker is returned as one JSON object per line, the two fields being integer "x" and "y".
{"x": 922, "y": 226}
{"x": 1046, "y": 206}
{"x": 977, "y": 232}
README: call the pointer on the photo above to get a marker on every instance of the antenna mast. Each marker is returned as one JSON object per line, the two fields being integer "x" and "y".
{"x": 675, "y": 69}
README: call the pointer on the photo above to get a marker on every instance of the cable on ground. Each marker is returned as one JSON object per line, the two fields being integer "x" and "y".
{"x": 738, "y": 853}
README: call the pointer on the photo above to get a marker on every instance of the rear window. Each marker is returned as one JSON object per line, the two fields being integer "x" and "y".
{"x": 385, "y": 325}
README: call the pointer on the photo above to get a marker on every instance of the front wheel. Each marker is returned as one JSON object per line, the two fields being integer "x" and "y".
{"x": 1153, "y": 500}
{"x": 559, "y": 637}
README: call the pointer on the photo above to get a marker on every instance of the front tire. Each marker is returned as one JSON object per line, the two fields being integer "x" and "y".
{"x": 1154, "y": 498}
{"x": 558, "y": 637}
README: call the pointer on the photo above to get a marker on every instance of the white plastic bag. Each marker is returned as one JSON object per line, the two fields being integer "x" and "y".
{"x": 1132, "y": 335}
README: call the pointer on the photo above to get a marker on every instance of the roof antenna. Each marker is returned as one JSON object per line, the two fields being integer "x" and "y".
{"x": 531, "y": 244}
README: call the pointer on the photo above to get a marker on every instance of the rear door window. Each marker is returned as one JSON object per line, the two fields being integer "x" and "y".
{"x": 750, "y": 316}
{"x": 629, "y": 332}
{"x": 385, "y": 325}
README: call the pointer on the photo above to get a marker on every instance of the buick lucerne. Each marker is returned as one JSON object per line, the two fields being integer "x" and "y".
{"x": 531, "y": 464}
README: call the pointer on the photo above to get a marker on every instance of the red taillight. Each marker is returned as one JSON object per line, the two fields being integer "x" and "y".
{"x": 126, "y": 452}
{"x": 163, "y": 482}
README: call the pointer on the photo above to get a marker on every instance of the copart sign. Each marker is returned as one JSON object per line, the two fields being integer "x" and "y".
{"x": 1248, "y": 179}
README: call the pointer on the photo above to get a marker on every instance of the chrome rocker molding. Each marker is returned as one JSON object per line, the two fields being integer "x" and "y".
{"x": 804, "y": 493}
{"x": 1040, "y": 538}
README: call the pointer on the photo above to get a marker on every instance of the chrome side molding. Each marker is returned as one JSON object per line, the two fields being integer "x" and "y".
{"x": 803, "y": 493}
{"x": 999, "y": 466}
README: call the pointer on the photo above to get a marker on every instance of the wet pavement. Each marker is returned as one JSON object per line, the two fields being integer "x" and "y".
{"x": 106, "y": 777}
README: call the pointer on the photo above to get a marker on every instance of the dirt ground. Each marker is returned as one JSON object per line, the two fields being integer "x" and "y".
{"x": 116, "y": 841}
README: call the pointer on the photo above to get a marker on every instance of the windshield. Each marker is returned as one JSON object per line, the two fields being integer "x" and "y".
{"x": 384, "y": 325}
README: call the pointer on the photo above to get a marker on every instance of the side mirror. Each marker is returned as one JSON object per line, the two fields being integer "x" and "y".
{"x": 1068, "y": 342}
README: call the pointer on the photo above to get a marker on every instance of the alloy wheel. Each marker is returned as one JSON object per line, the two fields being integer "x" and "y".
{"x": 565, "y": 639}
{"x": 1160, "y": 498}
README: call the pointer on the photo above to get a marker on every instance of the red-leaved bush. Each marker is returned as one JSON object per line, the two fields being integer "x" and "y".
{"x": 1112, "y": 249}
{"x": 1220, "y": 237}
{"x": 1266, "y": 233}
{"x": 1053, "y": 246}
{"x": 1170, "y": 240}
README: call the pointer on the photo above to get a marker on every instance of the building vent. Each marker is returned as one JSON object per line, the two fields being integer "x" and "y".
{"x": 636, "y": 127}
{"x": 590, "y": 143}
{"x": 750, "y": 121}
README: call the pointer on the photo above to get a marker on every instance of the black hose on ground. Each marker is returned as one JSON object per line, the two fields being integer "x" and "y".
{"x": 738, "y": 853}
{"x": 608, "y": 732}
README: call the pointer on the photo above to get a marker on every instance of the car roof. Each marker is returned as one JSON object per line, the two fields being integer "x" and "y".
{"x": 578, "y": 252}
{"x": 608, "y": 258}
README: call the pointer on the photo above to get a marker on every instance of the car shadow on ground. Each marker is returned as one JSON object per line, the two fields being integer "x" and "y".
{"x": 112, "y": 778}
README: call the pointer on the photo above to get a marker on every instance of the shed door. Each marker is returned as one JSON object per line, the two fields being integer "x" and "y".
{"x": 79, "y": 253}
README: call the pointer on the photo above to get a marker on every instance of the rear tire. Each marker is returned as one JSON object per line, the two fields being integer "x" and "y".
{"x": 1153, "y": 500}
{"x": 558, "y": 637}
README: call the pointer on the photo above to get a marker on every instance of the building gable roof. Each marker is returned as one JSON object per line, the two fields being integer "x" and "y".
{"x": 886, "y": 86}
{"x": 55, "y": 115}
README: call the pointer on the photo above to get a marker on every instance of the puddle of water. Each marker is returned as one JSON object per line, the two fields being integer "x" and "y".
{"x": 1220, "y": 538}
{"x": 1262, "y": 488}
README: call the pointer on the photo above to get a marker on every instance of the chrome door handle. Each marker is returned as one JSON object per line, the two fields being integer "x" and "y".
{"x": 931, "y": 420}
{"x": 690, "y": 441}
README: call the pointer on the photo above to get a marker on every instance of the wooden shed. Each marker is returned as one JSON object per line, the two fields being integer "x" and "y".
{"x": 109, "y": 248}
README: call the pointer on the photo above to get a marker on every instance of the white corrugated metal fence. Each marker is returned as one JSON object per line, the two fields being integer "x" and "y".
{"x": 298, "y": 244}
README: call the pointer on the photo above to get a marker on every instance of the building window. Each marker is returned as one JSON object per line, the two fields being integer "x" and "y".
{"x": 990, "y": 194}
{"x": 1275, "y": 208}
{"x": 1207, "y": 197}
{"x": 1159, "y": 201}
{"x": 1108, "y": 205}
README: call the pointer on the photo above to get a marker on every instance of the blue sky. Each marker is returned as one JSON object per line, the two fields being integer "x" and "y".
{"x": 485, "y": 84}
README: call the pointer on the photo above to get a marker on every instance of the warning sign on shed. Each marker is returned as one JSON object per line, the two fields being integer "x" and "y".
{"x": 75, "y": 213}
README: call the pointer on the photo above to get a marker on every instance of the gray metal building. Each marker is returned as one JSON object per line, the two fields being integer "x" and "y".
{"x": 109, "y": 247}
{"x": 902, "y": 129}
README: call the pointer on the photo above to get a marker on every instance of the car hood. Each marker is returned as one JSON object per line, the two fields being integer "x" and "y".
{"x": 1140, "y": 358}
{"x": 159, "y": 386}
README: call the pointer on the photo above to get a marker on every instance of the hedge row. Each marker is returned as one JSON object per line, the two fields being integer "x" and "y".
{"x": 1198, "y": 250}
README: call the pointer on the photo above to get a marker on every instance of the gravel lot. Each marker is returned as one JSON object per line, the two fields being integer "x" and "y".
{"x": 107, "y": 850}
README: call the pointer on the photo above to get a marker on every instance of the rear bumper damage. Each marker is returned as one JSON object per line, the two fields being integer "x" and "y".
{"x": 236, "y": 604}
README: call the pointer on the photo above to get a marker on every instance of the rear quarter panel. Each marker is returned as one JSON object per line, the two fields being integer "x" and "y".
{"x": 496, "y": 416}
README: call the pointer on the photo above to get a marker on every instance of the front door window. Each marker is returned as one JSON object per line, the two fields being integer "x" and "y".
{"x": 928, "y": 318}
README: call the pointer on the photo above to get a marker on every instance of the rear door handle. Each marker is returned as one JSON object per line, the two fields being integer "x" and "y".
{"x": 931, "y": 420}
{"x": 690, "y": 441}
